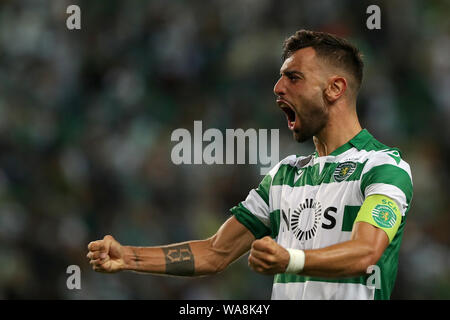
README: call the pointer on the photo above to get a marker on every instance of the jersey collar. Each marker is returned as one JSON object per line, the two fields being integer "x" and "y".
{"x": 359, "y": 142}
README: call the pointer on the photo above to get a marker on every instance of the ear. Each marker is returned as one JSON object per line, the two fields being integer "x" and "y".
{"x": 336, "y": 87}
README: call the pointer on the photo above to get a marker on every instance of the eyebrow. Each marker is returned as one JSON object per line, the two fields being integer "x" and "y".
{"x": 289, "y": 73}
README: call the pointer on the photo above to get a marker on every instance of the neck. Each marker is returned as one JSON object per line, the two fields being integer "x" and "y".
{"x": 342, "y": 126}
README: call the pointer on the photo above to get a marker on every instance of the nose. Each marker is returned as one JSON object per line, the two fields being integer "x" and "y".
{"x": 279, "y": 88}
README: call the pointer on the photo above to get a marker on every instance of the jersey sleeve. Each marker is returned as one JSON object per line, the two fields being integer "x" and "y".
{"x": 387, "y": 174}
{"x": 254, "y": 211}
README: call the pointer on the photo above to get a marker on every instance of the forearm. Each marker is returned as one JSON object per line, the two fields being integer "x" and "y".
{"x": 144, "y": 259}
{"x": 342, "y": 260}
{"x": 191, "y": 258}
{"x": 345, "y": 259}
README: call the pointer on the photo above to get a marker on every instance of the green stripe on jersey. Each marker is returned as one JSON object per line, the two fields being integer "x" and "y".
{"x": 350, "y": 214}
{"x": 310, "y": 175}
{"x": 274, "y": 223}
{"x": 263, "y": 188}
{"x": 244, "y": 216}
{"x": 388, "y": 174}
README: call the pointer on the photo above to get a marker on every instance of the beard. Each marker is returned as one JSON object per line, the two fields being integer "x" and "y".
{"x": 313, "y": 118}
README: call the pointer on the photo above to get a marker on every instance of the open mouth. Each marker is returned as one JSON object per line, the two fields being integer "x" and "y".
{"x": 291, "y": 116}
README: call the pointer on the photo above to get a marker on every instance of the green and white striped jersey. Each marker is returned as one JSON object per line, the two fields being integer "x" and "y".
{"x": 311, "y": 202}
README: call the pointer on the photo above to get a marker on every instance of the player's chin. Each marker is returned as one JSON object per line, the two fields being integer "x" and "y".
{"x": 300, "y": 137}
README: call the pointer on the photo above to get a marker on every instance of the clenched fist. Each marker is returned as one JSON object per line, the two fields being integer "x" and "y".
{"x": 268, "y": 257}
{"x": 106, "y": 255}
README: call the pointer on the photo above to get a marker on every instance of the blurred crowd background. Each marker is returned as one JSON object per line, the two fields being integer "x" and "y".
{"x": 86, "y": 118}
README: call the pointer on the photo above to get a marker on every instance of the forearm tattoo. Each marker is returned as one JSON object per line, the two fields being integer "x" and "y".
{"x": 179, "y": 260}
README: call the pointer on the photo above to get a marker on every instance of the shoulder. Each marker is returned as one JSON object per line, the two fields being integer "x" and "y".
{"x": 290, "y": 161}
{"x": 378, "y": 154}
{"x": 386, "y": 170}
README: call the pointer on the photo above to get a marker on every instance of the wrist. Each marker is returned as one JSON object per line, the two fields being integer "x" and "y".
{"x": 296, "y": 261}
{"x": 127, "y": 258}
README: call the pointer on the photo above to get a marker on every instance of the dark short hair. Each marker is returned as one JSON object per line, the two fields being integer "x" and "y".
{"x": 335, "y": 50}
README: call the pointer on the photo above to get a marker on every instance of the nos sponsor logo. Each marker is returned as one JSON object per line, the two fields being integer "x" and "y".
{"x": 304, "y": 220}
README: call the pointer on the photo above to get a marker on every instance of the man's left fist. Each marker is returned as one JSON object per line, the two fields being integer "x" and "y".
{"x": 268, "y": 257}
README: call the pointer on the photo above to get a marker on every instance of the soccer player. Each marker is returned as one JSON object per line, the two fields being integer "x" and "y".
{"x": 318, "y": 223}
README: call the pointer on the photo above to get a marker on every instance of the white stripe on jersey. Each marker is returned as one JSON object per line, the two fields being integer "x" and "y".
{"x": 315, "y": 290}
{"x": 390, "y": 191}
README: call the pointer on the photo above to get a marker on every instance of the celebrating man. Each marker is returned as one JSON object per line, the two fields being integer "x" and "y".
{"x": 318, "y": 223}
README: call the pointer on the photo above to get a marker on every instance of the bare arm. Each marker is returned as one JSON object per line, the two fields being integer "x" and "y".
{"x": 190, "y": 258}
{"x": 350, "y": 258}
{"x": 346, "y": 259}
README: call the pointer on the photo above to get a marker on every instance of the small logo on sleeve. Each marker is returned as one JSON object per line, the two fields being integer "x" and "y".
{"x": 394, "y": 155}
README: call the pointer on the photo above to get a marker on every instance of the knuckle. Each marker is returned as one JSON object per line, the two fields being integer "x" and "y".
{"x": 96, "y": 262}
{"x": 253, "y": 262}
{"x": 264, "y": 257}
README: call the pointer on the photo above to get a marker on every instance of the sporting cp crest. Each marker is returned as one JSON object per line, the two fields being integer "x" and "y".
{"x": 343, "y": 171}
{"x": 384, "y": 216}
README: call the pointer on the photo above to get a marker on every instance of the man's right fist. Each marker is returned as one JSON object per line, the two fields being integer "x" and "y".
{"x": 106, "y": 255}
